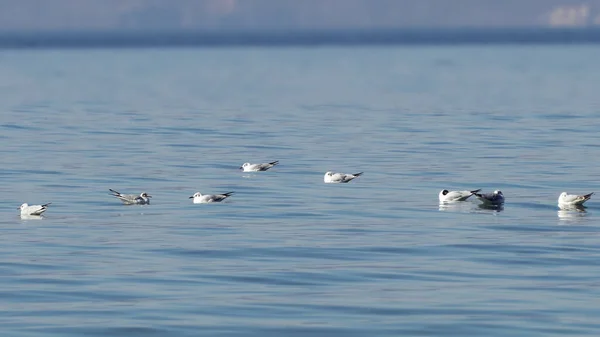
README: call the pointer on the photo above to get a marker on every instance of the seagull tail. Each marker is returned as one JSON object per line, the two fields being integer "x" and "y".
{"x": 358, "y": 174}
{"x": 116, "y": 194}
{"x": 228, "y": 194}
{"x": 475, "y": 191}
{"x": 587, "y": 196}
{"x": 46, "y": 205}
{"x": 274, "y": 162}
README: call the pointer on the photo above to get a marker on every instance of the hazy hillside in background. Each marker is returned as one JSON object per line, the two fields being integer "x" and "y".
{"x": 60, "y": 15}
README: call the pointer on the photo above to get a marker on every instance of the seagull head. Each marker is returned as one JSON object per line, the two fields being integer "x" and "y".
{"x": 498, "y": 192}
{"x": 145, "y": 195}
{"x": 23, "y": 206}
{"x": 244, "y": 165}
{"x": 444, "y": 192}
{"x": 197, "y": 194}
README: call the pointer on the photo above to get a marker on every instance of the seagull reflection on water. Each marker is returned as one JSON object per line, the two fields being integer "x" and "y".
{"x": 571, "y": 212}
{"x": 496, "y": 208}
{"x": 469, "y": 207}
{"x": 31, "y": 217}
{"x": 457, "y": 206}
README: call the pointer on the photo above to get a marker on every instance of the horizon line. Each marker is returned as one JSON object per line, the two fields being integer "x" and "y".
{"x": 297, "y": 37}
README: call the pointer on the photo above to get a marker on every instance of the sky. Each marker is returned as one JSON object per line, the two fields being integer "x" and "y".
{"x": 245, "y": 15}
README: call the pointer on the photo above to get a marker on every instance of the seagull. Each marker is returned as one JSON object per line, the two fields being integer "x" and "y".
{"x": 206, "y": 198}
{"x": 132, "y": 199}
{"x": 491, "y": 199}
{"x": 247, "y": 167}
{"x": 335, "y": 178}
{"x": 27, "y": 210}
{"x": 450, "y": 196}
{"x": 566, "y": 199}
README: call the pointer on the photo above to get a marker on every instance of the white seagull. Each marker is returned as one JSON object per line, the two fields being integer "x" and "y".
{"x": 491, "y": 199}
{"x": 132, "y": 199}
{"x": 199, "y": 198}
{"x": 336, "y": 178}
{"x": 247, "y": 167}
{"x": 450, "y": 196}
{"x": 35, "y": 210}
{"x": 567, "y": 199}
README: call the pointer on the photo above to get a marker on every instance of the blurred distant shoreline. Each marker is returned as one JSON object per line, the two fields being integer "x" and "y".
{"x": 147, "y": 39}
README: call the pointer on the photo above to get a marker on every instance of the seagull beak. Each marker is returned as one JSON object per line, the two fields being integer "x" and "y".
{"x": 241, "y": 167}
{"x": 192, "y": 197}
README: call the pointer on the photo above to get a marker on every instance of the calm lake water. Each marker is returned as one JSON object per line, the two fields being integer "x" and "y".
{"x": 288, "y": 255}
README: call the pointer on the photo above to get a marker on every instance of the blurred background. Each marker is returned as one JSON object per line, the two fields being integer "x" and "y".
{"x": 69, "y": 15}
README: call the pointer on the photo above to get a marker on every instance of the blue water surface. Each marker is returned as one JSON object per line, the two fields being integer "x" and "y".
{"x": 288, "y": 255}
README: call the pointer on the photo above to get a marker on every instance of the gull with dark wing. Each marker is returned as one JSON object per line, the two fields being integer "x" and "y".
{"x": 33, "y": 210}
{"x": 200, "y": 198}
{"x": 451, "y": 196}
{"x": 337, "y": 178}
{"x": 491, "y": 199}
{"x": 566, "y": 199}
{"x": 132, "y": 199}
{"x": 247, "y": 167}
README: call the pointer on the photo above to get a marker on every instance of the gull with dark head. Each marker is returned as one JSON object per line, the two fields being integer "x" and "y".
{"x": 337, "y": 178}
{"x": 132, "y": 199}
{"x": 452, "y": 196}
{"x": 247, "y": 167}
{"x": 566, "y": 199}
{"x": 495, "y": 198}
{"x": 33, "y": 210}
{"x": 200, "y": 198}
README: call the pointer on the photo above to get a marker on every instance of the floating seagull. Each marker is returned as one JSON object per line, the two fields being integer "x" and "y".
{"x": 132, "y": 199}
{"x": 35, "y": 210}
{"x": 450, "y": 196}
{"x": 566, "y": 199}
{"x": 491, "y": 199}
{"x": 206, "y": 198}
{"x": 247, "y": 167}
{"x": 335, "y": 178}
